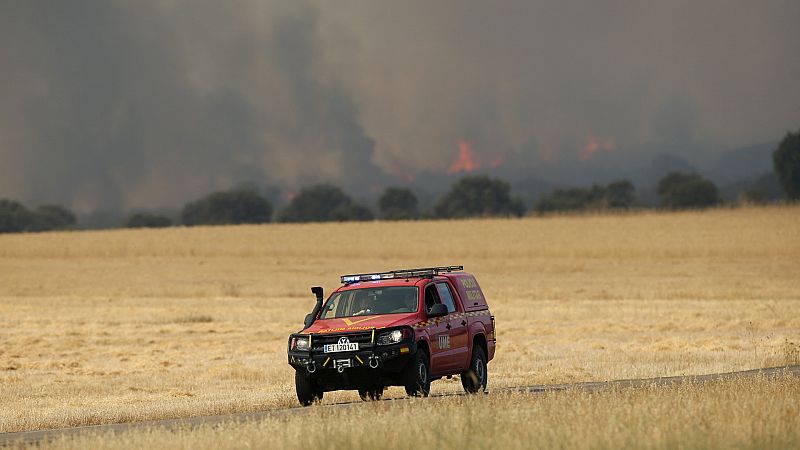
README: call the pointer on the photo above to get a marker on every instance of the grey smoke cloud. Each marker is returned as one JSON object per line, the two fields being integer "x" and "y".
{"x": 144, "y": 104}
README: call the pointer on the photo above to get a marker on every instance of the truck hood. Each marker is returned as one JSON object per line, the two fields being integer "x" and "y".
{"x": 359, "y": 323}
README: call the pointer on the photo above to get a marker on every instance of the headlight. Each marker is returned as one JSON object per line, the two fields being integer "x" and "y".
{"x": 300, "y": 343}
{"x": 392, "y": 337}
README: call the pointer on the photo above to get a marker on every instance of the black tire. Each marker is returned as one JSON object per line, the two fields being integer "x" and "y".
{"x": 417, "y": 375}
{"x": 370, "y": 395}
{"x": 476, "y": 377}
{"x": 307, "y": 390}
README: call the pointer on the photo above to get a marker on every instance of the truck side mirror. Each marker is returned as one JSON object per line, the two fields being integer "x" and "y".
{"x": 437, "y": 310}
{"x": 309, "y": 320}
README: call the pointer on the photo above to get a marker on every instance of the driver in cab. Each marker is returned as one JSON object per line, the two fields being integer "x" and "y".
{"x": 365, "y": 304}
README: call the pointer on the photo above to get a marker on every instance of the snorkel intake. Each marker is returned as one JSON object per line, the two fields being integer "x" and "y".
{"x": 316, "y": 290}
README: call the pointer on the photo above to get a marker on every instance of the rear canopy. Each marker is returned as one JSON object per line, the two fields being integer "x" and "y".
{"x": 470, "y": 292}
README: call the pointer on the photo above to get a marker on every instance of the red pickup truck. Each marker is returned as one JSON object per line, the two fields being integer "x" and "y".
{"x": 397, "y": 328}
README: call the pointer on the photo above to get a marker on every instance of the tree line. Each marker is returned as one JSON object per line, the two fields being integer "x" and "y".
{"x": 16, "y": 217}
{"x": 471, "y": 196}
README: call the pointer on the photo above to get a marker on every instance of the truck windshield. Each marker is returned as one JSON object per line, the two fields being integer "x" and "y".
{"x": 370, "y": 301}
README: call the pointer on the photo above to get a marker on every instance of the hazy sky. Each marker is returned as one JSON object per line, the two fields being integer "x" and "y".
{"x": 135, "y": 104}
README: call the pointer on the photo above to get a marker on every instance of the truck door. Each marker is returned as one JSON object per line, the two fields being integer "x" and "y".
{"x": 437, "y": 332}
{"x": 457, "y": 356}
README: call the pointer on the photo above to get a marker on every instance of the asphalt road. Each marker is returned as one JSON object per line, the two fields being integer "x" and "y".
{"x": 32, "y": 437}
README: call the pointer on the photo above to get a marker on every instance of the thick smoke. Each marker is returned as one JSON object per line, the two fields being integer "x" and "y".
{"x": 116, "y": 104}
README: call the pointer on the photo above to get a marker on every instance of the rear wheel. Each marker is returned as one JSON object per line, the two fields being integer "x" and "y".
{"x": 417, "y": 375}
{"x": 371, "y": 394}
{"x": 475, "y": 378}
{"x": 307, "y": 389}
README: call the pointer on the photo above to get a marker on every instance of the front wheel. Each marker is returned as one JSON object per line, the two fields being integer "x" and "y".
{"x": 475, "y": 378}
{"x": 307, "y": 390}
{"x": 417, "y": 375}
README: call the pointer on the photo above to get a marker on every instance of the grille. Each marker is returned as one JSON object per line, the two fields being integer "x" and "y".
{"x": 319, "y": 340}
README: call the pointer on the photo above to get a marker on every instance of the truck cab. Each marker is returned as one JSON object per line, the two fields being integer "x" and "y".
{"x": 403, "y": 327}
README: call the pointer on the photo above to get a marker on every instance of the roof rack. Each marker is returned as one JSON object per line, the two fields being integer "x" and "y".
{"x": 423, "y": 272}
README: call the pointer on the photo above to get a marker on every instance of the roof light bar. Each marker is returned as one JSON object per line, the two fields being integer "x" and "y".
{"x": 424, "y": 272}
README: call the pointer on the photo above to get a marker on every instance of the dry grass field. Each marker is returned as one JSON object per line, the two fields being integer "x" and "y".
{"x": 745, "y": 413}
{"x": 125, "y": 325}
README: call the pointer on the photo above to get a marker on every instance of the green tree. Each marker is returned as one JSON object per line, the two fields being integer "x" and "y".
{"x": 786, "y": 159}
{"x": 14, "y": 217}
{"x": 52, "y": 217}
{"x": 479, "y": 196}
{"x": 228, "y": 207}
{"x": 398, "y": 204}
{"x": 322, "y": 203}
{"x": 146, "y": 220}
{"x": 687, "y": 190}
{"x": 755, "y": 195}
{"x": 616, "y": 195}
{"x": 569, "y": 199}
{"x": 620, "y": 195}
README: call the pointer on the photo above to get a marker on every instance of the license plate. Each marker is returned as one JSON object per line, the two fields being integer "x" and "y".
{"x": 334, "y": 348}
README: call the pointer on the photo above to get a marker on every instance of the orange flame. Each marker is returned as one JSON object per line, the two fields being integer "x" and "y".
{"x": 466, "y": 159}
{"x": 590, "y": 147}
{"x": 593, "y": 144}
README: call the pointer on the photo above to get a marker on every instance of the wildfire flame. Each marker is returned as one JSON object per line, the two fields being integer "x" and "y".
{"x": 466, "y": 159}
{"x": 593, "y": 144}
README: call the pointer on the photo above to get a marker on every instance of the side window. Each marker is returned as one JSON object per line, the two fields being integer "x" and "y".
{"x": 446, "y": 296}
{"x": 431, "y": 297}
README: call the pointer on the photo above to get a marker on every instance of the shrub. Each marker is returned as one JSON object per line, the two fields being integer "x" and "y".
{"x": 681, "y": 190}
{"x": 228, "y": 207}
{"x": 398, "y": 204}
{"x": 14, "y": 217}
{"x": 479, "y": 196}
{"x": 616, "y": 195}
{"x": 620, "y": 195}
{"x": 52, "y": 217}
{"x": 322, "y": 203}
{"x": 786, "y": 159}
{"x": 146, "y": 220}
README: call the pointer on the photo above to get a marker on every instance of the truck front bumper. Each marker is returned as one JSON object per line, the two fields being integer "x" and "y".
{"x": 382, "y": 365}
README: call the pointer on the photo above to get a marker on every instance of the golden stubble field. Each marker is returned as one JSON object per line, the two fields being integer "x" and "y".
{"x": 124, "y": 325}
{"x": 758, "y": 413}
